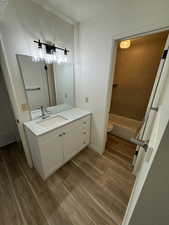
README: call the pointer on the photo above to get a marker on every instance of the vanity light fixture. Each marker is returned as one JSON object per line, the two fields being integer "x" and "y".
{"x": 49, "y": 53}
{"x": 125, "y": 44}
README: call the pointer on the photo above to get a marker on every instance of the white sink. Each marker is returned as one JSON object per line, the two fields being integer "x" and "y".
{"x": 50, "y": 122}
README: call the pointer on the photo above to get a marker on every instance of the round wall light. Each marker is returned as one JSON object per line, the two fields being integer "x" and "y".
{"x": 125, "y": 44}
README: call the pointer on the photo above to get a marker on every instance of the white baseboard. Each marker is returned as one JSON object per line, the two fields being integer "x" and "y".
{"x": 95, "y": 148}
{"x": 8, "y": 143}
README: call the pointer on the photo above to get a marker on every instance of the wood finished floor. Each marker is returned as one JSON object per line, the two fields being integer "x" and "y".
{"x": 89, "y": 190}
{"x": 120, "y": 150}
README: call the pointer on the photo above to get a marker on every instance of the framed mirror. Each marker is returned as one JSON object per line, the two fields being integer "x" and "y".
{"x": 47, "y": 85}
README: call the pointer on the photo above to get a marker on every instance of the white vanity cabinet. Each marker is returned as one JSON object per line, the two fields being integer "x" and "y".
{"x": 54, "y": 148}
{"x": 75, "y": 137}
{"x": 50, "y": 146}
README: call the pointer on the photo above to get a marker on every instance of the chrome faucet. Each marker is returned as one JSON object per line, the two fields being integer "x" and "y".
{"x": 44, "y": 112}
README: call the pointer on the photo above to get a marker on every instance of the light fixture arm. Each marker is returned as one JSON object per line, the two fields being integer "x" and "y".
{"x": 51, "y": 48}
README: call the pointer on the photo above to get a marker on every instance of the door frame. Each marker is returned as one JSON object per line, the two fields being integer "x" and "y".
{"x": 154, "y": 99}
{"x": 13, "y": 99}
{"x": 116, "y": 39}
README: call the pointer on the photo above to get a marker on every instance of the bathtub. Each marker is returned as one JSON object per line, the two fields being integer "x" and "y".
{"x": 123, "y": 127}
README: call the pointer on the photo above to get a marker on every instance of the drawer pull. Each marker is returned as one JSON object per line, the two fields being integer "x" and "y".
{"x": 84, "y": 122}
{"x": 64, "y": 133}
{"x": 84, "y": 132}
{"x": 60, "y": 135}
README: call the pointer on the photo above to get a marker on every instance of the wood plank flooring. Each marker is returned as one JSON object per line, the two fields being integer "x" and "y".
{"x": 89, "y": 190}
{"x": 120, "y": 150}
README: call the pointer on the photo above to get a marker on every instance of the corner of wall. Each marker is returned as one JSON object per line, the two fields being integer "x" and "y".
{"x": 96, "y": 148}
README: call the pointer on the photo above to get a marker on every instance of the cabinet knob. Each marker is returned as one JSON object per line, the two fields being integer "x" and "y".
{"x": 84, "y": 132}
{"x": 85, "y": 122}
{"x": 60, "y": 135}
{"x": 64, "y": 133}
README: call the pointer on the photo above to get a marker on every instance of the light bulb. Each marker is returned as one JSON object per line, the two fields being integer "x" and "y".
{"x": 35, "y": 59}
{"x": 59, "y": 57}
{"x": 125, "y": 44}
{"x": 65, "y": 59}
{"x": 41, "y": 54}
{"x": 55, "y": 57}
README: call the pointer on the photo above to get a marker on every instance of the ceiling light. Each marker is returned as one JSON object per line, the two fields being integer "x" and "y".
{"x": 125, "y": 44}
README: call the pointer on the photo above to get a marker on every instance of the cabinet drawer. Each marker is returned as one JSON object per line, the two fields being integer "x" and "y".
{"x": 85, "y": 138}
{"x": 50, "y": 135}
{"x": 84, "y": 131}
{"x": 85, "y": 126}
{"x": 85, "y": 121}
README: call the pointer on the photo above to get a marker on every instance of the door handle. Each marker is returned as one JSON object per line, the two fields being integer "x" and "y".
{"x": 115, "y": 85}
{"x": 143, "y": 144}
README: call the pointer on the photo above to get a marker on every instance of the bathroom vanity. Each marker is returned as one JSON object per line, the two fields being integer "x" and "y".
{"x": 55, "y": 140}
{"x": 50, "y": 92}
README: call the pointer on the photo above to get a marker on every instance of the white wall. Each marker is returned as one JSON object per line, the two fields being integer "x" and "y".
{"x": 96, "y": 43}
{"x": 24, "y": 21}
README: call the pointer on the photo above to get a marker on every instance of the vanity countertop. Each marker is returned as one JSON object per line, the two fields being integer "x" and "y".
{"x": 35, "y": 126}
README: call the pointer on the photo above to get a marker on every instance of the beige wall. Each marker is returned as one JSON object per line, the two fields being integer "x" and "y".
{"x": 136, "y": 68}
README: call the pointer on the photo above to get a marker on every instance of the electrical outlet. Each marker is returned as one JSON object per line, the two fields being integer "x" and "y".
{"x": 24, "y": 107}
{"x": 86, "y": 99}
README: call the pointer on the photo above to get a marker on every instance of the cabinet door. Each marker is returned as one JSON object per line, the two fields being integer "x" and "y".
{"x": 71, "y": 140}
{"x": 51, "y": 149}
{"x": 76, "y": 137}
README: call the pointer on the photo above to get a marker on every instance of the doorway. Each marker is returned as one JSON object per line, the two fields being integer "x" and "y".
{"x": 8, "y": 128}
{"x": 134, "y": 79}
